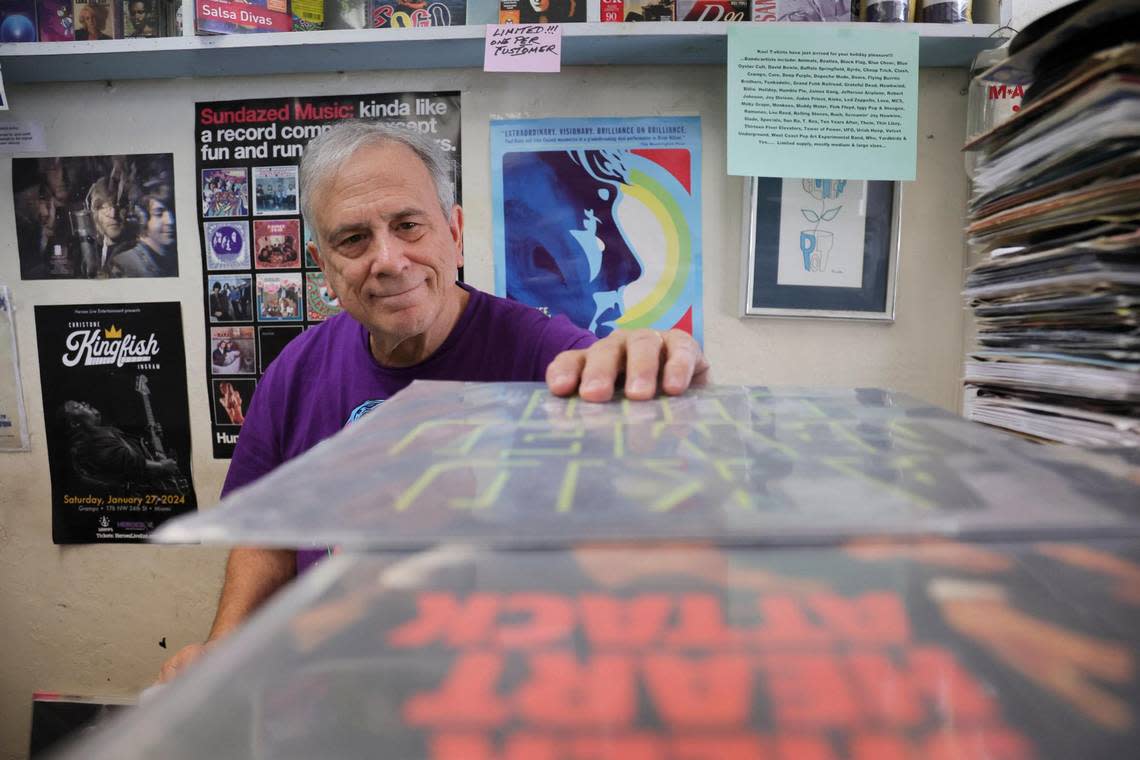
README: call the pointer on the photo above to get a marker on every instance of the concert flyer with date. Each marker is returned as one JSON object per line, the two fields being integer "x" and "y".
{"x": 117, "y": 418}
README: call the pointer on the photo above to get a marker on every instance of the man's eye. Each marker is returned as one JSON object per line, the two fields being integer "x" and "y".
{"x": 407, "y": 226}
{"x": 351, "y": 240}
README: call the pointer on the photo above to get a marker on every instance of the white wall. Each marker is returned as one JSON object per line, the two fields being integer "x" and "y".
{"x": 88, "y": 619}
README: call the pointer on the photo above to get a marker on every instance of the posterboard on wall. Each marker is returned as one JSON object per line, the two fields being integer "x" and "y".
{"x": 116, "y": 412}
{"x": 95, "y": 217}
{"x": 600, "y": 219}
{"x": 260, "y": 287}
{"x": 13, "y": 422}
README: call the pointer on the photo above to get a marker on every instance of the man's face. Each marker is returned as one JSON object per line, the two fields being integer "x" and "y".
{"x": 388, "y": 251}
{"x": 84, "y": 412}
{"x": 160, "y": 224}
{"x": 108, "y": 221}
{"x": 138, "y": 14}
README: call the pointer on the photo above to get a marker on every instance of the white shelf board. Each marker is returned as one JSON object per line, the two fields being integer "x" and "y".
{"x": 416, "y": 48}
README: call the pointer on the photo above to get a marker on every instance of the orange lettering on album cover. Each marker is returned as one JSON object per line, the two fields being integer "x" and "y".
{"x": 542, "y": 619}
{"x": 602, "y": 691}
{"x": 612, "y": 622}
{"x": 700, "y": 624}
{"x": 992, "y": 743}
{"x": 885, "y": 692}
{"x": 808, "y": 691}
{"x": 700, "y": 692}
{"x": 467, "y": 696}
{"x": 443, "y": 619}
{"x": 877, "y": 618}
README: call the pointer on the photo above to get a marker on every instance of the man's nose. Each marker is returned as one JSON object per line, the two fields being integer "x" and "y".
{"x": 386, "y": 255}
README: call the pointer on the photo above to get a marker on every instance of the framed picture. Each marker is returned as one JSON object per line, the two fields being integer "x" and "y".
{"x": 820, "y": 248}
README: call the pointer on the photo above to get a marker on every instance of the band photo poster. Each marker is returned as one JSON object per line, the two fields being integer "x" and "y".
{"x": 117, "y": 417}
{"x": 261, "y": 288}
{"x": 95, "y": 217}
{"x": 13, "y": 421}
{"x": 600, "y": 220}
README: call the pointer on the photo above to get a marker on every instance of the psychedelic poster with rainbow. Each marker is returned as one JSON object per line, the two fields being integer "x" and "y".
{"x": 600, "y": 219}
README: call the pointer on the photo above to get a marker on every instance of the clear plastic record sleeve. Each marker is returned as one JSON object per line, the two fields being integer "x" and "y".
{"x": 866, "y": 650}
{"x": 510, "y": 465}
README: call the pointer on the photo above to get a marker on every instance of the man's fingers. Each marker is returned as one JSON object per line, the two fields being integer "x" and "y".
{"x": 563, "y": 374}
{"x": 644, "y": 349}
{"x": 685, "y": 363}
{"x": 604, "y": 361}
{"x": 179, "y": 662}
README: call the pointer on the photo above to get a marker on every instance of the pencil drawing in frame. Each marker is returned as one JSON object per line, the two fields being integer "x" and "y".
{"x": 820, "y": 248}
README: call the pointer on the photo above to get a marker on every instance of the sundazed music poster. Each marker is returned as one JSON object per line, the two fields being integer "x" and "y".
{"x": 600, "y": 220}
{"x": 261, "y": 289}
{"x": 117, "y": 418}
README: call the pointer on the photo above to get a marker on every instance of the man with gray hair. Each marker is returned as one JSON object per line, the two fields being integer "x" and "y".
{"x": 389, "y": 239}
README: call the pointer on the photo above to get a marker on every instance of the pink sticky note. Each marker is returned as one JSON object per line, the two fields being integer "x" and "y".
{"x": 523, "y": 47}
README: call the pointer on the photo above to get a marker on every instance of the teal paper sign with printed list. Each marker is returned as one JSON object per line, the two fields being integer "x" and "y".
{"x": 822, "y": 101}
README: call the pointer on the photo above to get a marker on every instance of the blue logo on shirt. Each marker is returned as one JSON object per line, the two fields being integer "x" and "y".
{"x": 363, "y": 409}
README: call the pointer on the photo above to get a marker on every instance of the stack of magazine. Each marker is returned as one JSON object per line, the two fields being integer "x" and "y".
{"x": 1056, "y": 212}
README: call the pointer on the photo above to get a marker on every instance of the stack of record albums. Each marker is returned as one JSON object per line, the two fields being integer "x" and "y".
{"x": 1055, "y": 214}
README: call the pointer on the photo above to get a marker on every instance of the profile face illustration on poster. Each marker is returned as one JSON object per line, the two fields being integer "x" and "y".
{"x": 88, "y": 217}
{"x": 602, "y": 231}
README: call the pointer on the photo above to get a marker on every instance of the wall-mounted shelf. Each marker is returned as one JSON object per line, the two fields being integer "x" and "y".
{"x": 416, "y": 48}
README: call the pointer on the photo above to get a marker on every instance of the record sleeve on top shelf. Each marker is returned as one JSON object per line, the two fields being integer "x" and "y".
{"x": 542, "y": 11}
{"x": 56, "y": 20}
{"x": 18, "y": 21}
{"x": 221, "y": 17}
{"x": 650, "y": 10}
{"x": 712, "y": 10}
{"x": 386, "y": 14}
{"x": 95, "y": 20}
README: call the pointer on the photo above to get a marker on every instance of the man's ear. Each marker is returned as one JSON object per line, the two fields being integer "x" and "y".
{"x": 315, "y": 253}
{"x": 455, "y": 223}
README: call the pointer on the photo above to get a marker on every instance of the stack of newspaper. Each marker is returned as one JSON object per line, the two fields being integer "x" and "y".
{"x": 1056, "y": 212}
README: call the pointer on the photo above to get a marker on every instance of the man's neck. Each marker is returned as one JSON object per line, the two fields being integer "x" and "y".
{"x": 417, "y": 348}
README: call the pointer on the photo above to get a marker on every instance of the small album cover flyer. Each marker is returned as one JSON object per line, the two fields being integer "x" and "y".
{"x": 278, "y": 243}
{"x": 279, "y": 297}
{"x": 225, "y": 192}
{"x": 275, "y": 190}
{"x": 231, "y": 402}
{"x": 232, "y": 351}
{"x": 113, "y": 378}
{"x": 319, "y": 303}
{"x": 95, "y": 217}
{"x": 272, "y": 341}
{"x": 231, "y": 297}
{"x": 227, "y": 244}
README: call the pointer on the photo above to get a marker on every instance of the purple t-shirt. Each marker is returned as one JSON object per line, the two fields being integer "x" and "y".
{"x": 327, "y": 377}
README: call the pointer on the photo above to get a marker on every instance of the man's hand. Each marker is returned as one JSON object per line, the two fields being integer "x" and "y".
{"x": 181, "y": 660}
{"x": 647, "y": 358}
